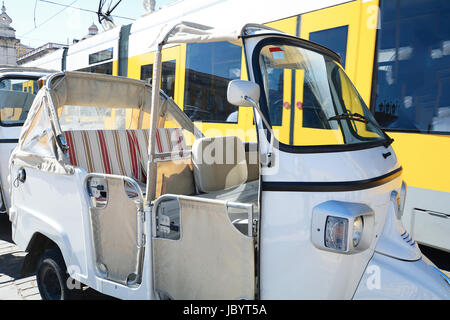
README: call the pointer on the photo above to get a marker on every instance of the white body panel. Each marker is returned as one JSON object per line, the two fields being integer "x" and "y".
{"x": 57, "y": 207}
{"x": 286, "y": 233}
{"x": 387, "y": 278}
{"x": 365, "y": 164}
{"x": 427, "y": 216}
{"x": 395, "y": 241}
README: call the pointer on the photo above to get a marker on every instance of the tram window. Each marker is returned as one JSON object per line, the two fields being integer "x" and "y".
{"x": 105, "y": 68}
{"x": 209, "y": 69}
{"x": 167, "y": 76}
{"x": 101, "y": 56}
{"x": 147, "y": 73}
{"x": 334, "y": 39}
{"x": 412, "y": 75}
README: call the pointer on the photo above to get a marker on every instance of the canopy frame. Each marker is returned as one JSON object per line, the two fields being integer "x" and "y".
{"x": 58, "y": 92}
{"x": 179, "y": 33}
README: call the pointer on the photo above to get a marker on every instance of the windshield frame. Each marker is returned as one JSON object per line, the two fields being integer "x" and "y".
{"x": 307, "y": 45}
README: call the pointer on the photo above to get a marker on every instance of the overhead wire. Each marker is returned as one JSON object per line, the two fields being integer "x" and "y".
{"x": 36, "y": 26}
{"x": 53, "y": 16}
{"x": 83, "y": 9}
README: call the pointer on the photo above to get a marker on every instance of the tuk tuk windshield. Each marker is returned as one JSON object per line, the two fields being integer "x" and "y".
{"x": 16, "y": 97}
{"x": 326, "y": 107}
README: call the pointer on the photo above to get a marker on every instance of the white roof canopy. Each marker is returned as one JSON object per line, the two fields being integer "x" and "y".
{"x": 190, "y": 32}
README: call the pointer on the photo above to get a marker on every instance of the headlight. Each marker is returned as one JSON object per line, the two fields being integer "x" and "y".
{"x": 358, "y": 226}
{"x": 336, "y": 233}
{"x": 342, "y": 227}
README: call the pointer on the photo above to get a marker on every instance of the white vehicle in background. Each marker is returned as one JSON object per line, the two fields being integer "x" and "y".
{"x": 18, "y": 88}
{"x": 133, "y": 201}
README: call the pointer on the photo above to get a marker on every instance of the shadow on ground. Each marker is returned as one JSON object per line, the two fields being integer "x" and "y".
{"x": 5, "y": 228}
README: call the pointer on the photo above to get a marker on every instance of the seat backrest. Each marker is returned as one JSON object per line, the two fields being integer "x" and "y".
{"x": 168, "y": 140}
{"x": 219, "y": 163}
{"x": 104, "y": 151}
{"x": 173, "y": 176}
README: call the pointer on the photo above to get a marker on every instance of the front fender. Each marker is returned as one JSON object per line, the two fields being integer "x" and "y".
{"x": 390, "y": 278}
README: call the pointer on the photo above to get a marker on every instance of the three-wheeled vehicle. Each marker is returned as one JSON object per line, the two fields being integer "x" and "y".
{"x": 18, "y": 87}
{"x": 114, "y": 187}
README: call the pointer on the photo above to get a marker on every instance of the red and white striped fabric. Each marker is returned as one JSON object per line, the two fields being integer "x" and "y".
{"x": 140, "y": 138}
{"x": 102, "y": 151}
{"x": 121, "y": 152}
{"x": 168, "y": 140}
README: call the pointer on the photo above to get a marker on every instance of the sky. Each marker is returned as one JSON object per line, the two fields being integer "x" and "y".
{"x": 37, "y": 21}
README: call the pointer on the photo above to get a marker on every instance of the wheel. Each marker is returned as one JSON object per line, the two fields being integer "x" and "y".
{"x": 51, "y": 276}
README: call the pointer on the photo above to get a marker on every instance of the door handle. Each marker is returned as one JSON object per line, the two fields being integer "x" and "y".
{"x": 387, "y": 155}
{"x": 21, "y": 177}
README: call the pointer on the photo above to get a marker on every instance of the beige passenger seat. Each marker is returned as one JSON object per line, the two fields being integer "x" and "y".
{"x": 219, "y": 163}
{"x": 220, "y": 172}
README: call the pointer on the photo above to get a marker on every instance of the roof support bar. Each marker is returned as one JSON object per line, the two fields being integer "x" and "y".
{"x": 154, "y": 115}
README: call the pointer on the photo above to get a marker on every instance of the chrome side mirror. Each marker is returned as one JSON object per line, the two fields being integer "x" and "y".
{"x": 246, "y": 94}
{"x": 243, "y": 93}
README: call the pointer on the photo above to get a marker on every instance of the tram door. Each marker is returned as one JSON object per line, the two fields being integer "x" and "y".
{"x": 281, "y": 83}
{"x": 141, "y": 67}
{"x": 350, "y": 31}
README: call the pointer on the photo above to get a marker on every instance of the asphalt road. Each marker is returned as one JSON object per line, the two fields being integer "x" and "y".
{"x": 12, "y": 285}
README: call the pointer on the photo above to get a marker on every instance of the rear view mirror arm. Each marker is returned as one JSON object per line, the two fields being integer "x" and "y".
{"x": 256, "y": 107}
{"x": 269, "y": 154}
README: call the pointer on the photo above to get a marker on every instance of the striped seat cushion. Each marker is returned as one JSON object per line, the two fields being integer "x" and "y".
{"x": 168, "y": 140}
{"x": 104, "y": 151}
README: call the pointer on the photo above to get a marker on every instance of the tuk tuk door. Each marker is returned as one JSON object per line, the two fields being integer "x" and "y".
{"x": 198, "y": 253}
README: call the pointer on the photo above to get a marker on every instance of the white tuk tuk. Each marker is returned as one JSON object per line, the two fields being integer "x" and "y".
{"x": 114, "y": 187}
{"x": 18, "y": 87}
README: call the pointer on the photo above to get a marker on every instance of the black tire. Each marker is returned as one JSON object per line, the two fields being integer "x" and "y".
{"x": 51, "y": 276}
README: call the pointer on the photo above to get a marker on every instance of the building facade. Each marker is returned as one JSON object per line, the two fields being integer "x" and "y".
{"x": 8, "y": 41}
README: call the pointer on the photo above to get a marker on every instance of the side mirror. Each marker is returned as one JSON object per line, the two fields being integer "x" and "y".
{"x": 246, "y": 94}
{"x": 241, "y": 93}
